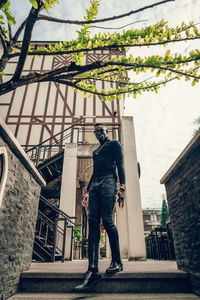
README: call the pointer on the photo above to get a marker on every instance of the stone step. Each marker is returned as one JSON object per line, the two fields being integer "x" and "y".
{"x": 137, "y": 277}
{"x": 123, "y": 282}
{"x": 110, "y": 296}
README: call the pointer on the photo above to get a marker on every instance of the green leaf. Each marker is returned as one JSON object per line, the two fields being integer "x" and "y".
{"x": 2, "y": 73}
{"x": 34, "y": 3}
{"x": 158, "y": 73}
{"x": 187, "y": 32}
{"x": 10, "y": 17}
{"x": 193, "y": 82}
{"x": 167, "y": 53}
{"x": 6, "y": 5}
{"x": 139, "y": 39}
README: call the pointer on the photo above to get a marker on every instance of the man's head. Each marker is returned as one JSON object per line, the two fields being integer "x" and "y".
{"x": 100, "y": 132}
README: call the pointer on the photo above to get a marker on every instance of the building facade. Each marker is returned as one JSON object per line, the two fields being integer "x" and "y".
{"x": 151, "y": 219}
{"x": 57, "y": 118}
{"x": 41, "y": 110}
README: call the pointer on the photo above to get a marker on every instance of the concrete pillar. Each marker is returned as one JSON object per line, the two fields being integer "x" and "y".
{"x": 135, "y": 227}
{"x": 121, "y": 223}
{"x": 68, "y": 188}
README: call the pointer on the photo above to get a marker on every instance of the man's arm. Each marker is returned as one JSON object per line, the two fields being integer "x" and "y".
{"x": 118, "y": 156}
{"x": 90, "y": 182}
{"x": 85, "y": 197}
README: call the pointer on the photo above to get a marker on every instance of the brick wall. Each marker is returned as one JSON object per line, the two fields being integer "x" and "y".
{"x": 183, "y": 194}
{"x": 18, "y": 214}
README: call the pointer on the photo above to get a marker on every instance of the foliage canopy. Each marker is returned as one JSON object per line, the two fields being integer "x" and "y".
{"x": 82, "y": 76}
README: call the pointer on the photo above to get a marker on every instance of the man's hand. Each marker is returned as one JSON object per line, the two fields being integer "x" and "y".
{"x": 84, "y": 200}
{"x": 121, "y": 195}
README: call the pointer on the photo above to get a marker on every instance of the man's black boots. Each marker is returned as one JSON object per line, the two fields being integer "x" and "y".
{"x": 114, "y": 267}
{"x": 91, "y": 278}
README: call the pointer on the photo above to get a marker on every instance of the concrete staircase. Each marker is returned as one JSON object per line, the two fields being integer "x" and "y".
{"x": 145, "y": 282}
{"x": 137, "y": 279}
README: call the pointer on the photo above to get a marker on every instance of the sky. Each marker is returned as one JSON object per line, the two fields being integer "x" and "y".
{"x": 163, "y": 122}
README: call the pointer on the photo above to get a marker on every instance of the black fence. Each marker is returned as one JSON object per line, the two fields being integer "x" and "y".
{"x": 159, "y": 244}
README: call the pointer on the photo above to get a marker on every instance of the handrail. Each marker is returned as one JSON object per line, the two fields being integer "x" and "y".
{"x": 56, "y": 209}
{"x": 52, "y": 137}
{"x": 48, "y": 231}
{"x": 44, "y": 218}
{"x": 37, "y": 153}
{"x": 61, "y": 132}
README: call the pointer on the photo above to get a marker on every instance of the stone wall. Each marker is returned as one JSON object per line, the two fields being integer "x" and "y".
{"x": 182, "y": 184}
{"x": 18, "y": 213}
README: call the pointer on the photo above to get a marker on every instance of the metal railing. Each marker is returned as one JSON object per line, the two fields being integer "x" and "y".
{"x": 73, "y": 134}
{"x": 159, "y": 244}
{"x": 50, "y": 235}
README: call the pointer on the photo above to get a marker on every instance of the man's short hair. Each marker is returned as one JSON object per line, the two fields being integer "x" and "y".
{"x": 99, "y": 124}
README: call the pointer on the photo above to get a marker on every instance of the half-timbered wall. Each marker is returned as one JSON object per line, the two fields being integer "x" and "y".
{"x": 38, "y": 111}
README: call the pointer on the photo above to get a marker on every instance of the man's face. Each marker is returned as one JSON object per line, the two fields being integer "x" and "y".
{"x": 100, "y": 133}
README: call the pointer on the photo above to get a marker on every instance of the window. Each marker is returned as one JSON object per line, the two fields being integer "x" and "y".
{"x": 3, "y": 171}
{"x": 147, "y": 217}
{"x": 158, "y": 218}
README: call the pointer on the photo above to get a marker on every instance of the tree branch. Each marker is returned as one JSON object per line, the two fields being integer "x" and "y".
{"x": 3, "y": 41}
{"x": 106, "y": 40}
{"x": 110, "y": 93}
{"x": 26, "y": 40}
{"x": 18, "y": 32}
{"x": 157, "y": 67}
{"x": 36, "y": 77}
{"x": 51, "y": 19}
{"x": 117, "y": 28}
{"x": 10, "y": 31}
{"x": 45, "y": 53}
{"x": 3, "y": 2}
{"x": 103, "y": 80}
{"x": 51, "y": 76}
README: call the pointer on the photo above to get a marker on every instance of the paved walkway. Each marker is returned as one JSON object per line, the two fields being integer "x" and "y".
{"x": 80, "y": 266}
{"x": 47, "y": 296}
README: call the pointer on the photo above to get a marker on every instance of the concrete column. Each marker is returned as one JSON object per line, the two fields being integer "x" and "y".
{"x": 135, "y": 227}
{"x": 68, "y": 188}
{"x": 121, "y": 223}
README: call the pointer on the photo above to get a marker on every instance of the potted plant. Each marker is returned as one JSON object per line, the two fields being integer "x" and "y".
{"x": 78, "y": 239}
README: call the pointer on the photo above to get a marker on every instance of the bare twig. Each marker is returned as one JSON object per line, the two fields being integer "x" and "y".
{"x": 121, "y": 27}
{"x": 51, "y": 19}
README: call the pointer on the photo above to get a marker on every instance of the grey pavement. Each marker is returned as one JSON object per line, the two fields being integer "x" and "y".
{"x": 80, "y": 266}
{"x": 113, "y": 296}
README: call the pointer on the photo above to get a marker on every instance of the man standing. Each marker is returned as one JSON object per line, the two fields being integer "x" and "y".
{"x": 101, "y": 192}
